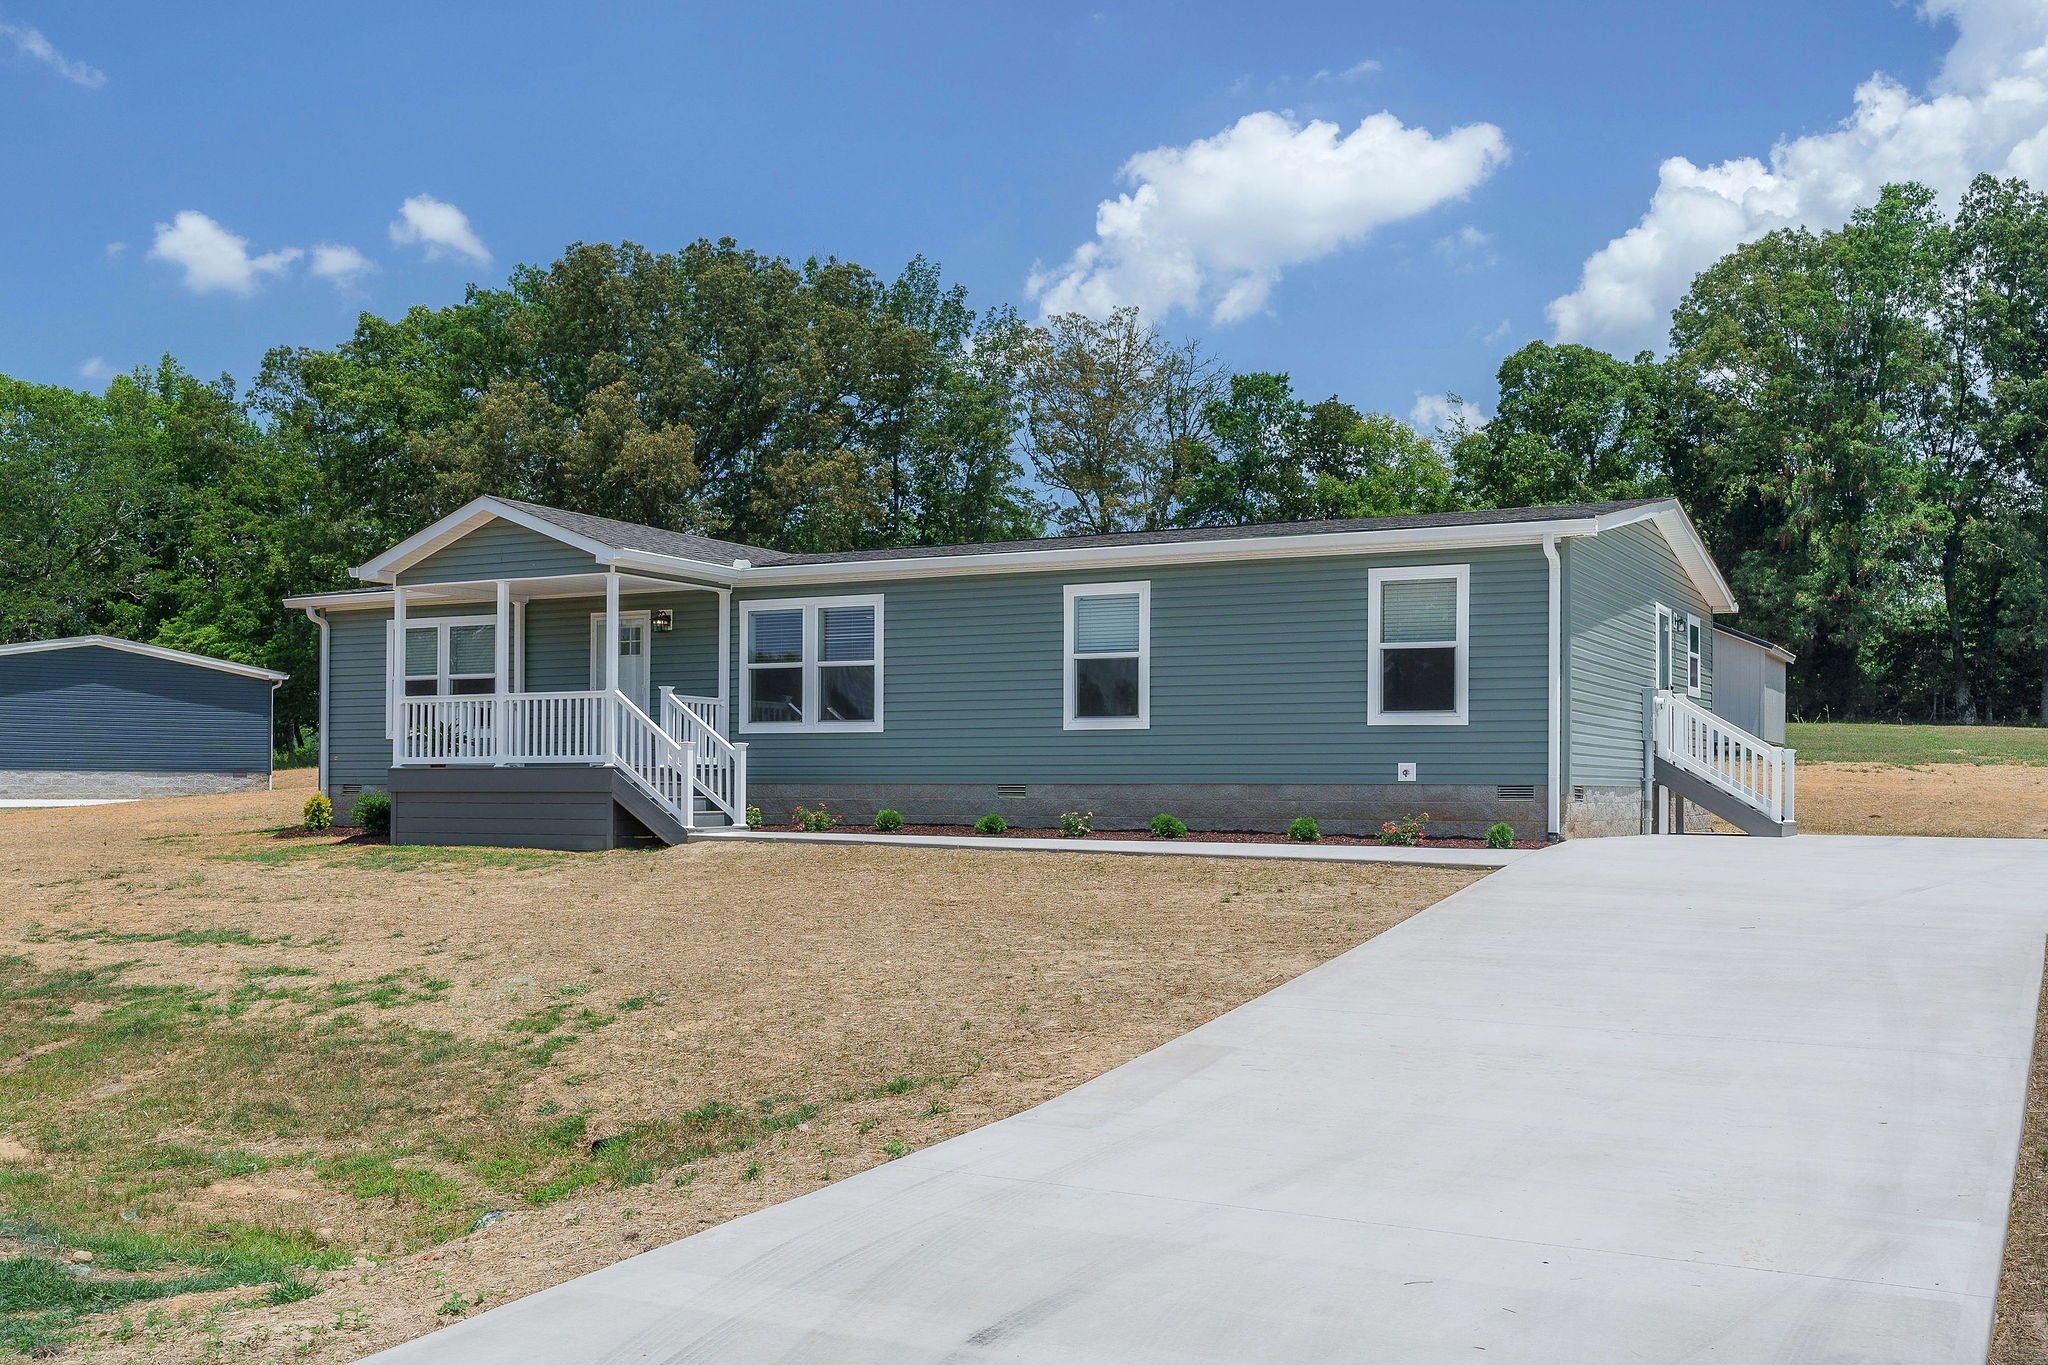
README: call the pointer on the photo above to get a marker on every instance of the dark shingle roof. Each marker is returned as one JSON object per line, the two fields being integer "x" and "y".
{"x": 1267, "y": 530}
{"x": 628, "y": 535}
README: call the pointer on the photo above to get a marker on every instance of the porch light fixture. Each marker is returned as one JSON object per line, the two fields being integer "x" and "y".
{"x": 662, "y": 619}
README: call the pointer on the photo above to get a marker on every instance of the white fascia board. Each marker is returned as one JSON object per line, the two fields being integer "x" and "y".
{"x": 1176, "y": 552}
{"x": 386, "y": 567}
{"x": 343, "y": 601}
{"x": 648, "y": 562}
{"x": 176, "y": 656}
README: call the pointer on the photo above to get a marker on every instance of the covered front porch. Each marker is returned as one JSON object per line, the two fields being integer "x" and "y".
{"x": 610, "y": 669}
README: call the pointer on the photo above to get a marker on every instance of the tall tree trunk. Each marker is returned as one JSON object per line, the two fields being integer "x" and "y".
{"x": 1959, "y": 660}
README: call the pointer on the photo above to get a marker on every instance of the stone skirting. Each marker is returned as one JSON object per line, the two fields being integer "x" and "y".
{"x": 1455, "y": 810}
{"x": 36, "y": 784}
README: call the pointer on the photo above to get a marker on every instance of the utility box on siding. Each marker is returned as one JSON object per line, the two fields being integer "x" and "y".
{"x": 1749, "y": 683}
{"x": 93, "y": 716}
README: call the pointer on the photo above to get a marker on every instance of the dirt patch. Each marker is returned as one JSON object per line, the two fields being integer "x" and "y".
{"x": 343, "y": 1057}
{"x": 1146, "y": 836}
{"x": 1984, "y": 800}
{"x": 2020, "y": 1336}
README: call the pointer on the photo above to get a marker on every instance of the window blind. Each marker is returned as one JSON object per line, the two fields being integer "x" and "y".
{"x": 472, "y": 650}
{"x": 1418, "y": 611}
{"x": 1106, "y": 625}
{"x": 777, "y": 637}
{"x": 422, "y": 652}
{"x": 849, "y": 634}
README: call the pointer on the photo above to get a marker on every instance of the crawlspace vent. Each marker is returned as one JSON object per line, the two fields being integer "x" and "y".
{"x": 1516, "y": 791}
{"x": 1013, "y": 790}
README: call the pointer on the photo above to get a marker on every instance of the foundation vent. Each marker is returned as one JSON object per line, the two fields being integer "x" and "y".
{"x": 1578, "y": 793}
{"x": 1015, "y": 791}
{"x": 351, "y": 789}
{"x": 1516, "y": 791}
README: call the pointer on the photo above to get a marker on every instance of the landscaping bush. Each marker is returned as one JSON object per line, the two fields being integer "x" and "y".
{"x": 1076, "y": 824}
{"x": 1167, "y": 827}
{"x": 754, "y": 817}
{"x": 1500, "y": 835}
{"x": 1405, "y": 832}
{"x": 372, "y": 812}
{"x": 888, "y": 821}
{"x": 319, "y": 812}
{"x": 814, "y": 821}
{"x": 991, "y": 825}
{"x": 1304, "y": 830}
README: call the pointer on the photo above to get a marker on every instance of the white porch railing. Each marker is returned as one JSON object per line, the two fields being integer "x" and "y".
{"x": 577, "y": 727}
{"x": 721, "y": 764}
{"x": 1754, "y": 771}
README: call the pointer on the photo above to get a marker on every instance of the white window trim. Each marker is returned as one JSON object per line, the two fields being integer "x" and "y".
{"x": 1462, "y": 574}
{"x": 812, "y": 608}
{"x": 1662, "y": 641}
{"x": 394, "y": 662}
{"x": 1695, "y": 656}
{"x": 1068, "y": 658}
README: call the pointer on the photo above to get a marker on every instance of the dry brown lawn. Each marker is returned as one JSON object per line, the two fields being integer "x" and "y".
{"x": 2021, "y": 1334}
{"x": 1959, "y": 799}
{"x": 286, "y": 1076}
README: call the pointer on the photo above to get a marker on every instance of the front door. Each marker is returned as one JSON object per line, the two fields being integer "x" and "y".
{"x": 634, "y": 641}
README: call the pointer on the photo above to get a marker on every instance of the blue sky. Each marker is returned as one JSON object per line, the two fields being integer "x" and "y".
{"x": 1489, "y": 173}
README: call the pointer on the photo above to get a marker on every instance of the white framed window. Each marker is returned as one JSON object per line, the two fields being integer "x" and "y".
{"x": 811, "y": 663}
{"x": 1108, "y": 656}
{"x": 1694, "y": 640}
{"x": 449, "y": 656}
{"x": 1418, "y": 626}
{"x": 1666, "y": 647}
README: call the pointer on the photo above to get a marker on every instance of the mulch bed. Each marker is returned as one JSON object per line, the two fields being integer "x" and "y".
{"x": 343, "y": 835}
{"x": 1146, "y": 836}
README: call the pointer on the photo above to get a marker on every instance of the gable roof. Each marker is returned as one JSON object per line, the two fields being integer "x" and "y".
{"x": 623, "y": 543}
{"x": 176, "y": 656}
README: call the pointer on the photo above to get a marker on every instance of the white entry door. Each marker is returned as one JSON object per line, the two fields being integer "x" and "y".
{"x": 635, "y": 640}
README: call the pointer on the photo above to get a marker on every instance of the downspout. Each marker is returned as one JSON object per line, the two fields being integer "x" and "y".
{"x": 1556, "y": 687}
{"x": 313, "y": 615}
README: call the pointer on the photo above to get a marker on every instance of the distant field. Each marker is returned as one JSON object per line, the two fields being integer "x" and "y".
{"x": 1911, "y": 745}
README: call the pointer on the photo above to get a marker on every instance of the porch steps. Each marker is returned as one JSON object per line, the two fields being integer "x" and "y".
{"x": 655, "y": 818}
{"x": 1728, "y": 806}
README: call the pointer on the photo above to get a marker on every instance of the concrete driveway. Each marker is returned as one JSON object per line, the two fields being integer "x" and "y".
{"x": 1665, "y": 1099}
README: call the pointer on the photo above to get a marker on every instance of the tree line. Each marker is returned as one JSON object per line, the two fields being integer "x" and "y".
{"x": 1858, "y": 420}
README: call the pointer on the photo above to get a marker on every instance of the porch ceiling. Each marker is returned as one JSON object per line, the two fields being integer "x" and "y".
{"x": 557, "y": 585}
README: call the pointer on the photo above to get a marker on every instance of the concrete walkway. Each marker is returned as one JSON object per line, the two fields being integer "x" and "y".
{"x": 1194, "y": 847}
{"x": 1706, "y": 1099}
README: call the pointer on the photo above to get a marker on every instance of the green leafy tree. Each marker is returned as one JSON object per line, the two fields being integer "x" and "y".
{"x": 1574, "y": 425}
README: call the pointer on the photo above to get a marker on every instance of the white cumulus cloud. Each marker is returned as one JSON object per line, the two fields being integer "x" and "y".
{"x": 341, "y": 264}
{"x": 1433, "y": 412}
{"x": 1209, "y": 227}
{"x": 31, "y": 43}
{"x": 440, "y": 227}
{"x": 95, "y": 368}
{"x": 214, "y": 258}
{"x": 1986, "y": 110}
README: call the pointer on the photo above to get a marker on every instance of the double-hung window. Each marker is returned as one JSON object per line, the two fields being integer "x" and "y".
{"x": 812, "y": 664}
{"x": 451, "y": 658}
{"x": 1417, "y": 623}
{"x": 1109, "y": 656}
{"x": 1694, "y": 674}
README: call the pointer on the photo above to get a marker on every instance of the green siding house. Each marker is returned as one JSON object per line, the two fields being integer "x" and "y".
{"x": 516, "y": 674}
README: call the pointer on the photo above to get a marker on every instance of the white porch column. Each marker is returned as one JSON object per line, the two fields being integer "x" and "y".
{"x": 611, "y": 663}
{"x": 501, "y": 637}
{"x": 396, "y": 704}
{"x": 725, "y": 659}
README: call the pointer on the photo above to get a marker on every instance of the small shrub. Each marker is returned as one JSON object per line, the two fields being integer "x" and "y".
{"x": 754, "y": 820}
{"x": 888, "y": 821}
{"x": 814, "y": 821}
{"x": 1304, "y": 830}
{"x": 1076, "y": 824}
{"x": 1405, "y": 832}
{"x": 372, "y": 812}
{"x": 1167, "y": 827}
{"x": 1500, "y": 835}
{"x": 991, "y": 825}
{"x": 319, "y": 812}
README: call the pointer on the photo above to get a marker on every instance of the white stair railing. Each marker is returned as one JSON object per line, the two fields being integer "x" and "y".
{"x": 1753, "y": 770}
{"x": 721, "y": 765}
{"x": 654, "y": 760}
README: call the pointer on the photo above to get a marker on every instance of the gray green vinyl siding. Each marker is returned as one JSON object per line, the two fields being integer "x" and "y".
{"x": 1258, "y": 675}
{"x": 1613, "y": 584}
{"x": 93, "y": 709}
{"x": 686, "y": 658}
{"x": 499, "y": 549}
{"x": 358, "y": 750}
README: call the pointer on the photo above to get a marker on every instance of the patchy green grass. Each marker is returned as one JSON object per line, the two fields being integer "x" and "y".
{"x": 389, "y": 858}
{"x": 1913, "y": 745}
